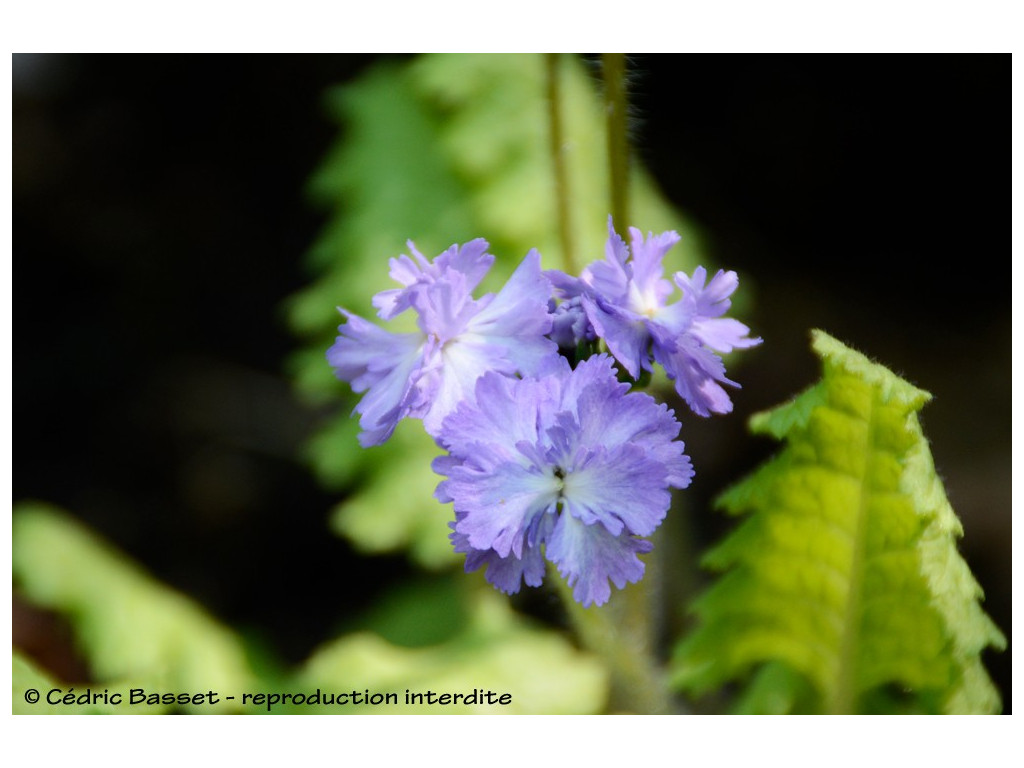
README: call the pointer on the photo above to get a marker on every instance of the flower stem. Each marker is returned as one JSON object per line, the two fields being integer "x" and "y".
{"x": 558, "y": 152}
{"x": 616, "y": 107}
{"x": 614, "y": 632}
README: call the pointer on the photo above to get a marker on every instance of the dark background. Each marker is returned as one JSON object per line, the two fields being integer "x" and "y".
{"x": 160, "y": 220}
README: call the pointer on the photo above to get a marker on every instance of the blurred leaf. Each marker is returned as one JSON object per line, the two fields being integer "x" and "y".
{"x": 497, "y": 651}
{"x": 134, "y": 631}
{"x": 776, "y": 690}
{"x": 384, "y": 183}
{"x": 335, "y": 455}
{"x": 396, "y": 510}
{"x": 27, "y": 676}
{"x": 846, "y": 571}
{"x": 419, "y": 612}
{"x": 496, "y": 138}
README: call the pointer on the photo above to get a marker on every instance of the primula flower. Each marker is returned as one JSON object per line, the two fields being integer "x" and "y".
{"x": 566, "y": 466}
{"x": 425, "y": 374}
{"x": 626, "y": 300}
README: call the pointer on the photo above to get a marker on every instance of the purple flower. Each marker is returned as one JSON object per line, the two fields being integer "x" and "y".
{"x": 567, "y": 466}
{"x": 569, "y": 324}
{"x": 425, "y": 374}
{"x": 471, "y": 260}
{"x": 626, "y": 300}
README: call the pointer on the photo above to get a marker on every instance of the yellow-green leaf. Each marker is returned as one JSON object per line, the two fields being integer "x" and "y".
{"x": 134, "y": 631}
{"x": 845, "y": 571}
{"x": 497, "y": 652}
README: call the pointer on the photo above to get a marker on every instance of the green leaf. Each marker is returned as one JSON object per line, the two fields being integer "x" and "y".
{"x": 843, "y": 590}
{"x": 421, "y": 612}
{"x": 26, "y": 676}
{"x": 395, "y": 509}
{"x": 775, "y": 690}
{"x": 434, "y": 634}
{"x": 495, "y": 138}
{"x": 496, "y": 651}
{"x": 134, "y": 631}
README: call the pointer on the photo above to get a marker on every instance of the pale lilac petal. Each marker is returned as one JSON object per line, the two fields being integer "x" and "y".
{"x": 694, "y": 285}
{"x": 391, "y": 302}
{"x": 381, "y": 364}
{"x": 609, "y": 278}
{"x": 619, "y": 488}
{"x": 498, "y": 504}
{"x": 723, "y": 334}
{"x": 672, "y": 320}
{"x": 508, "y": 573}
{"x": 564, "y": 286}
{"x": 626, "y": 335}
{"x": 712, "y": 300}
{"x": 406, "y": 272}
{"x": 588, "y": 556}
{"x": 595, "y": 373}
{"x": 468, "y": 424}
{"x": 471, "y": 261}
{"x": 647, "y": 268}
{"x": 459, "y": 364}
{"x": 698, "y": 374}
{"x": 445, "y": 307}
{"x": 638, "y": 420}
{"x": 505, "y": 573}
{"x": 615, "y": 250}
{"x": 517, "y": 318}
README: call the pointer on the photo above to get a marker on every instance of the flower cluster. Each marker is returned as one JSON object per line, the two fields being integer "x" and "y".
{"x": 546, "y": 461}
{"x": 625, "y": 301}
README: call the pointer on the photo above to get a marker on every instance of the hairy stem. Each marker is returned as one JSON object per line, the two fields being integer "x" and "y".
{"x": 615, "y": 632}
{"x": 621, "y": 631}
{"x": 616, "y": 106}
{"x": 558, "y": 152}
